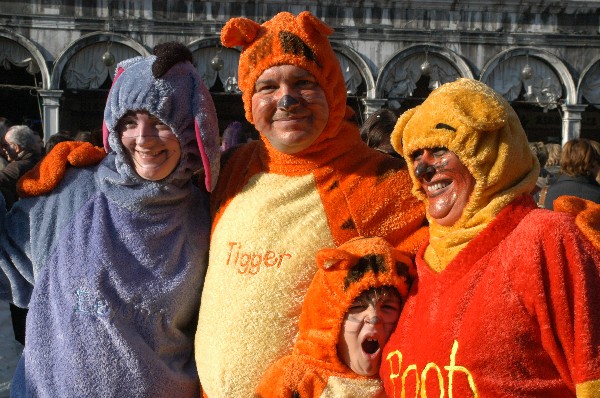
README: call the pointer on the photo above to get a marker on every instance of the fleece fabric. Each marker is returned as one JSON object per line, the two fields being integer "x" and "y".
{"x": 274, "y": 211}
{"x": 513, "y": 315}
{"x": 111, "y": 265}
{"x": 314, "y": 368}
{"x": 112, "y": 292}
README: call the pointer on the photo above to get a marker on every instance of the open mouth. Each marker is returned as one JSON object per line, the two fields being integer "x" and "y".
{"x": 370, "y": 346}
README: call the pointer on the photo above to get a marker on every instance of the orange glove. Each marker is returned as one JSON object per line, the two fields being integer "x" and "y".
{"x": 587, "y": 216}
{"x": 49, "y": 172}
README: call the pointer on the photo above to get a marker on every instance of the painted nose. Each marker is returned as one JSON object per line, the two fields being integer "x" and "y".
{"x": 424, "y": 170}
{"x": 287, "y": 101}
{"x": 371, "y": 316}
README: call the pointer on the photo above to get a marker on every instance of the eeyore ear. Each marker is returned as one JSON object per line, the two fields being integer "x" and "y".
{"x": 329, "y": 259}
{"x": 239, "y": 32}
{"x": 311, "y": 23}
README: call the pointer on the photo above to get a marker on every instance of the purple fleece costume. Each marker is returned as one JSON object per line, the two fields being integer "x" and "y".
{"x": 112, "y": 265}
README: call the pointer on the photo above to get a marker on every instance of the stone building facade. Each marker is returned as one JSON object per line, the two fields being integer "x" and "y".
{"x": 57, "y": 58}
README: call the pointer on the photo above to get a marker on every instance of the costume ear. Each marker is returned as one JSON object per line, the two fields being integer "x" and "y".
{"x": 401, "y": 257}
{"x": 311, "y": 23}
{"x": 329, "y": 259}
{"x": 239, "y": 32}
{"x": 397, "y": 133}
{"x": 105, "y": 131}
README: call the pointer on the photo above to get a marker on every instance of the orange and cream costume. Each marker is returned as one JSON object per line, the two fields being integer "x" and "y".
{"x": 273, "y": 212}
{"x": 314, "y": 369}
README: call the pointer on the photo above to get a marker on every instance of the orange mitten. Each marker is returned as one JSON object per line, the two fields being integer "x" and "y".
{"x": 49, "y": 172}
{"x": 587, "y": 216}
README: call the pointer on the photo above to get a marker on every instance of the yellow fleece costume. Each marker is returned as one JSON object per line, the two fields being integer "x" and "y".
{"x": 505, "y": 304}
{"x": 273, "y": 212}
{"x": 314, "y": 369}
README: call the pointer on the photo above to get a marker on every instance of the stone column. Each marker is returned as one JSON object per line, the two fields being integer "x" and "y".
{"x": 372, "y": 105}
{"x": 571, "y": 121}
{"x": 51, "y": 105}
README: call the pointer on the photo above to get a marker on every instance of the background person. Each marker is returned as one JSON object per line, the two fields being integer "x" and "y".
{"x": 376, "y": 130}
{"x": 578, "y": 164}
{"x": 233, "y": 135}
{"x": 308, "y": 183}
{"x": 111, "y": 263}
{"x": 506, "y": 295}
{"x": 19, "y": 145}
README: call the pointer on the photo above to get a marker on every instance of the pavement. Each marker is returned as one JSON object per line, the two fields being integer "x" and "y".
{"x": 10, "y": 350}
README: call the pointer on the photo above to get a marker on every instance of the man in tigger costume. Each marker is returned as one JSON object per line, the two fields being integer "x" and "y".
{"x": 308, "y": 183}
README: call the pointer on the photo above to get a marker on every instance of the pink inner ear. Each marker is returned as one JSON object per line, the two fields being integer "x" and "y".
{"x": 204, "y": 156}
{"x": 104, "y": 127}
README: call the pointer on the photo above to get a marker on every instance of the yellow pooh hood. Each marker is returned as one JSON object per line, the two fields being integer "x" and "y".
{"x": 482, "y": 129}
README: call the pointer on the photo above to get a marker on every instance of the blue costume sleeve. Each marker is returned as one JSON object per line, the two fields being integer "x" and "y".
{"x": 29, "y": 232}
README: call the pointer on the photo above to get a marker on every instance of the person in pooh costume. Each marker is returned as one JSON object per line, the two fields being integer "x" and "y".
{"x": 349, "y": 312}
{"x": 308, "y": 183}
{"x": 504, "y": 303}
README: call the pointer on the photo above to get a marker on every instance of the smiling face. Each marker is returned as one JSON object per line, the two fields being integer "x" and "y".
{"x": 446, "y": 182}
{"x": 289, "y": 108}
{"x": 367, "y": 326}
{"x": 152, "y": 147}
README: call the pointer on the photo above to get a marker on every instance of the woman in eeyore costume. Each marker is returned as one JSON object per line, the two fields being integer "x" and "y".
{"x": 111, "y": 261}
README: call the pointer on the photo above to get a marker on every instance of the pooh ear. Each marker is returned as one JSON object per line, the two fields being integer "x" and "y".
{"x": 398, "y": 132}
{"x": 239, "y": 32}
{"x": 329, "y": 259}
{"x": 309, "y": 21}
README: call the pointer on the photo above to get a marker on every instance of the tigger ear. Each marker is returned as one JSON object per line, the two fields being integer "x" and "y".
{"x": 335, "y": 258}
{"x": 402, "y": 257}
{"x": 239, "y": 32}
{"x": 309, "y": 22}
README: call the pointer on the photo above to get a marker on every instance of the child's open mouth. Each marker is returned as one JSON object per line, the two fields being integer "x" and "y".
{"x": 370, "y": 346}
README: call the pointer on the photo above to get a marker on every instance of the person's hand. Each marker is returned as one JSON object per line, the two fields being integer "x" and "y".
{"x": 49, "y": 172}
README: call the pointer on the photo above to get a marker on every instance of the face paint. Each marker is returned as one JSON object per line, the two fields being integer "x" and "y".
{"x": 289, "y": 108}
{"x": 446, "y": 182}
{"x": 367, "y": 326}
{"x": 287, "y": 101}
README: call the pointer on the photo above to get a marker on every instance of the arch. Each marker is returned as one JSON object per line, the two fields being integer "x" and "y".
{"x": 589, "y": 83}
{"x": 228, "y": 70}
{"x": 35, "y": 52}
{"x": 87, "y": 40}
{"x": 446, "y": 62}
{"x": 360, "y": 64}
{"x": 544, "y": 59}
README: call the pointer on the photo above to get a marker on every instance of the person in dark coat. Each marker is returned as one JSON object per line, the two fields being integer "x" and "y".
{"x": 577, "y": 161}
{"x": 19, "y": 146}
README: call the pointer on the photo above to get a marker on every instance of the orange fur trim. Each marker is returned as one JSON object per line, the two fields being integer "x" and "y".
{"x": 49, "y": 172}
{"x": 587, "y": 216}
